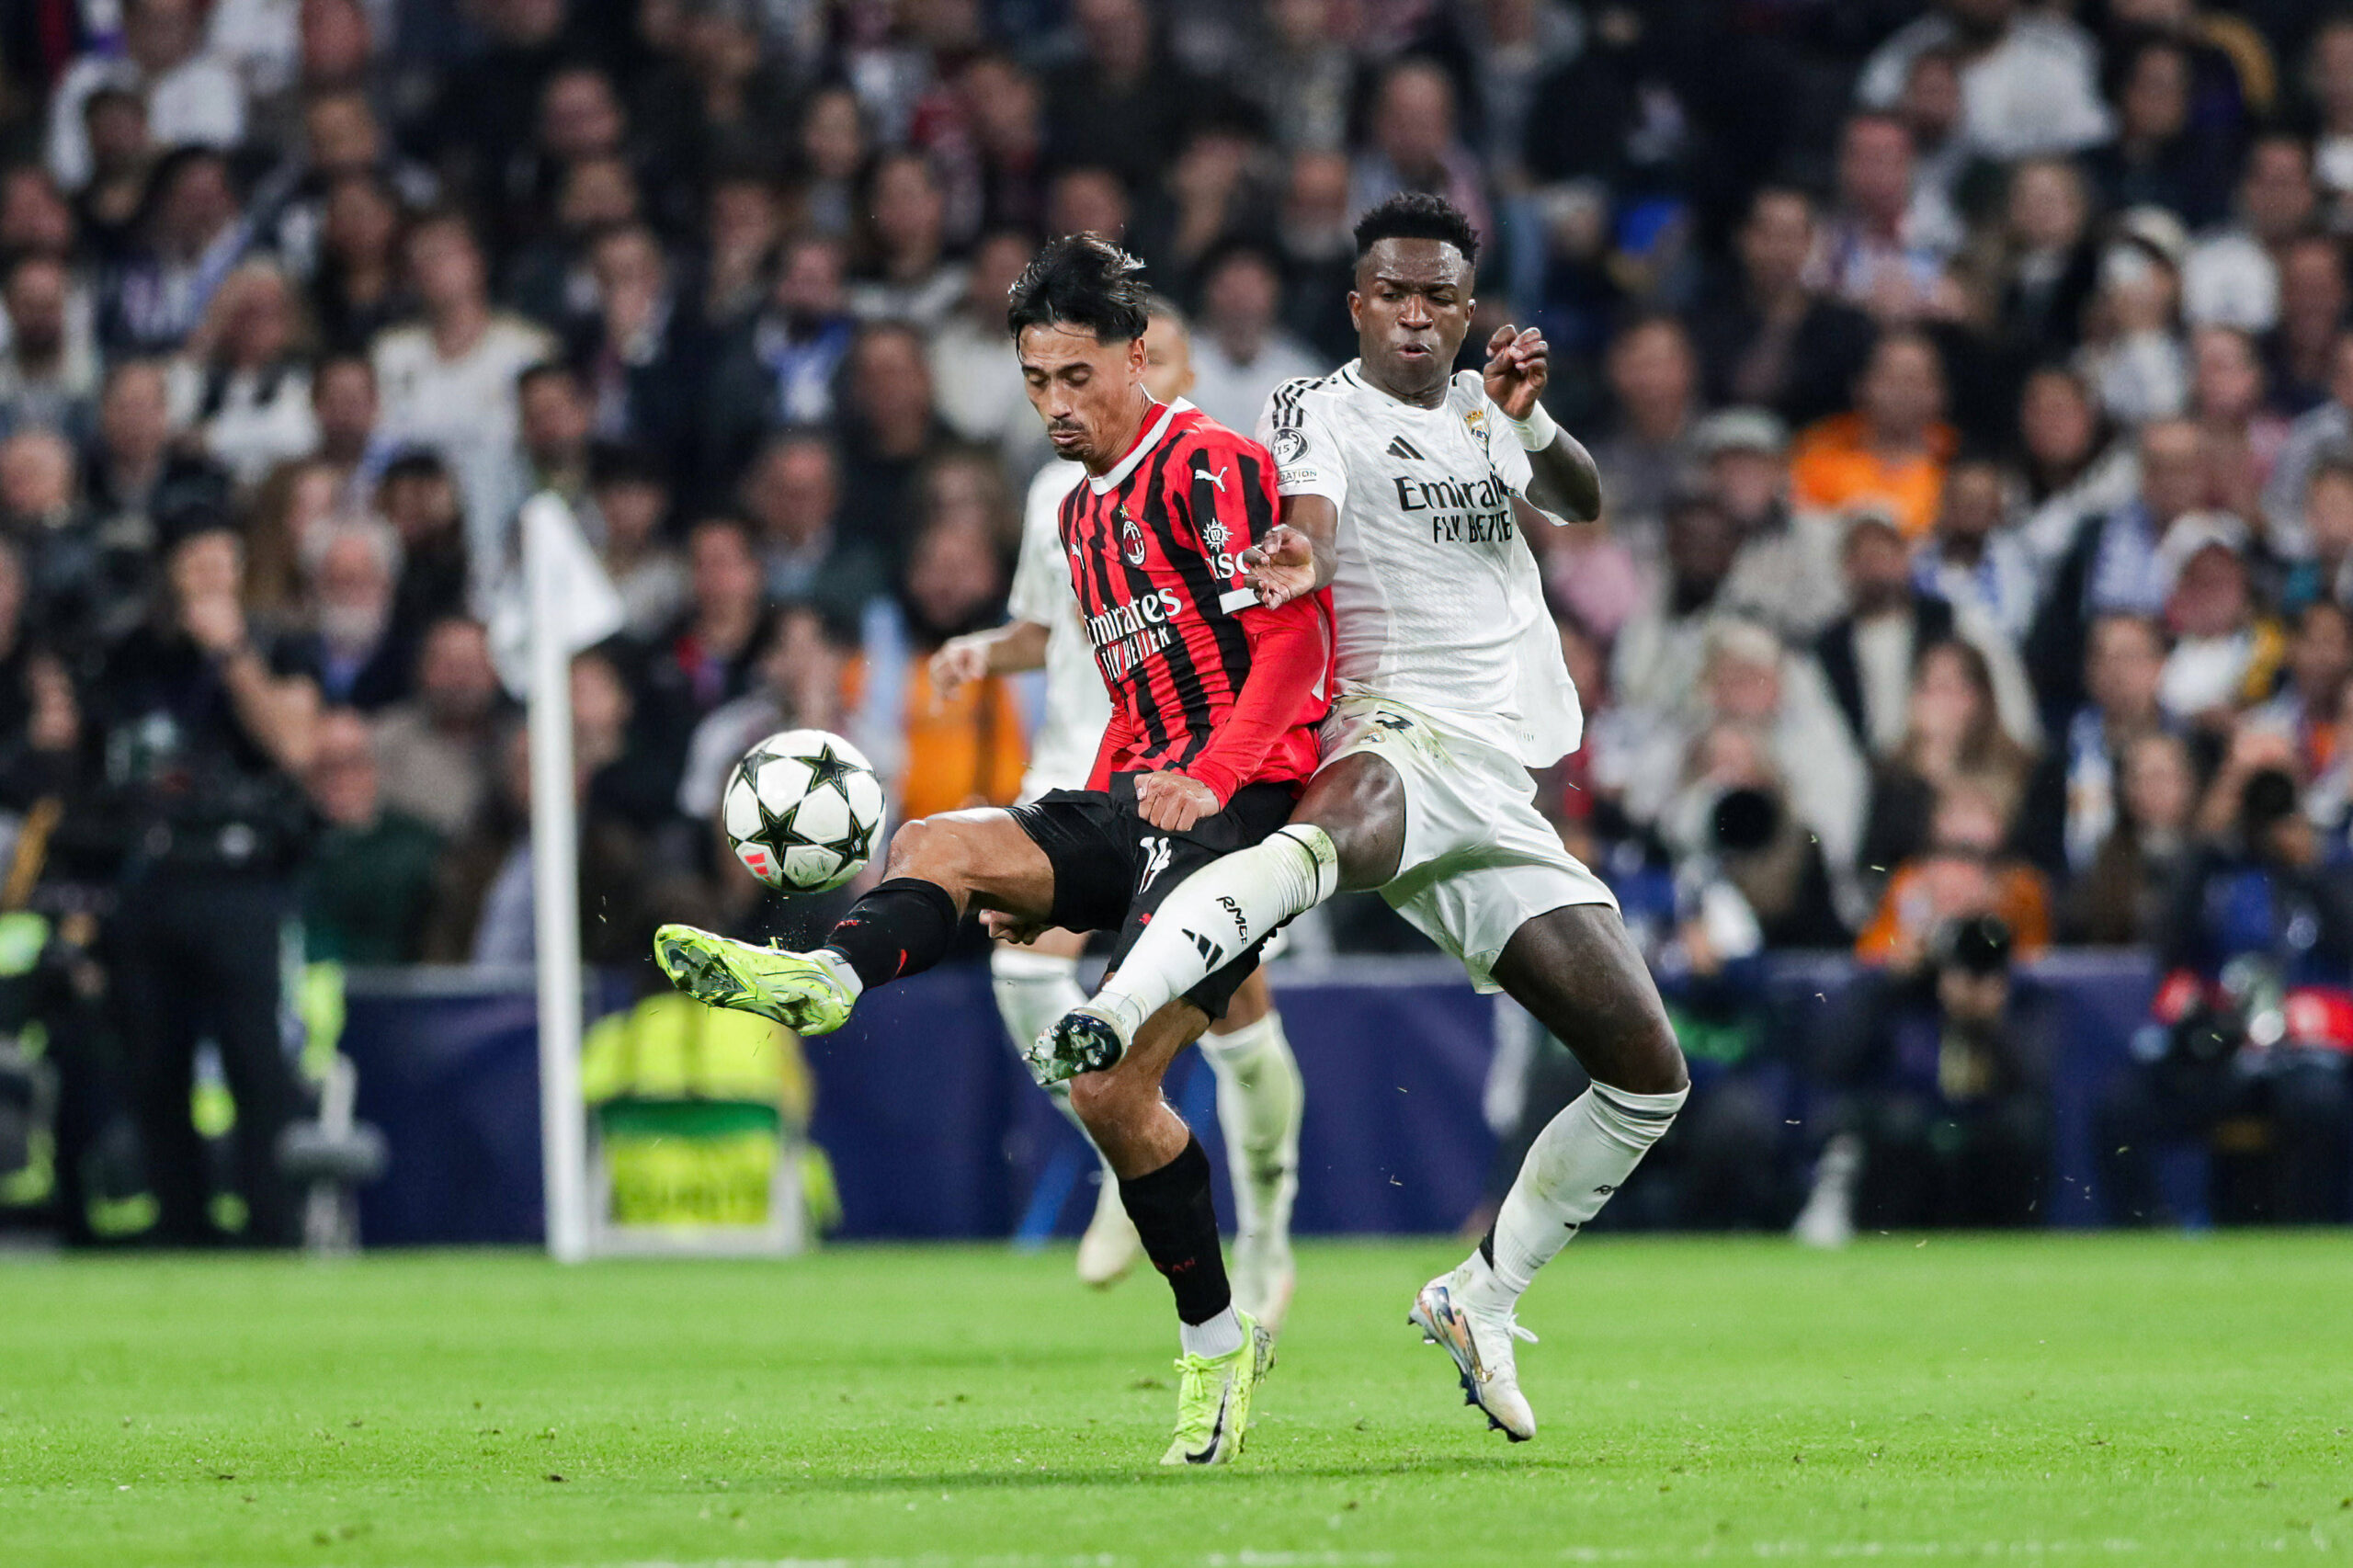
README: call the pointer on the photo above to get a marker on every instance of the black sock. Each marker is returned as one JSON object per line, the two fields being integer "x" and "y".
{"x": 902, "y": 927}
{"x": 1487, "y": 1244}
{"x": 1173, "y": 1213}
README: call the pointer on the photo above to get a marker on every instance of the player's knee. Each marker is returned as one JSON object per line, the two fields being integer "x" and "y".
{"x": 932, "y": 851}
{"x": 1100, "y": 1100}
{"x": 1646, "y": 1058}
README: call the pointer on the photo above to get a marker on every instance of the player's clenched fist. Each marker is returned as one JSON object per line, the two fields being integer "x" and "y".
{"x": 1173, "y": 803}
{"x": 1517, "y": 370}
{"x": 1281, "y": 567}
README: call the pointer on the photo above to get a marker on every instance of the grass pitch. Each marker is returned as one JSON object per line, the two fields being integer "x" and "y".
{"x": 2138, "y": 1400}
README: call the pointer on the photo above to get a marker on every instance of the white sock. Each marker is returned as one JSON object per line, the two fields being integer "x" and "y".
{"x": 1221, "y": 1335}
{"x": 1259, "y": 1099}
{"x": 1217, "y": 913}
{"x": 1582, "y": 1155}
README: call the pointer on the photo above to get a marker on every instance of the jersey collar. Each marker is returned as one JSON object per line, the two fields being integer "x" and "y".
{"x": 1153, "y": 429}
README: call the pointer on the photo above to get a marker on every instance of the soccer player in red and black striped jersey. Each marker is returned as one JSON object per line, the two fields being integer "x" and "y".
{"x": 1215, "y": 701}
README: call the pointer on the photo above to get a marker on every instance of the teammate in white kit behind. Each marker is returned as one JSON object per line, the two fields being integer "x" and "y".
{"x": 1404, "y": 489}
{"x": 1260, "y": 1097}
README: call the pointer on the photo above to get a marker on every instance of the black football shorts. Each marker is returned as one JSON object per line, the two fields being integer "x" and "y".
{"x": 1112, "y": 868}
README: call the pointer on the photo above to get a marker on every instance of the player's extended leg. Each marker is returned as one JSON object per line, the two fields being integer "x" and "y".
{"x": 1348, "y": 831}
{"x": 1036, "y": 982}
{"x": 939, "y": 866}
{"x": 1259, "y": 1101}
{"x": 1164, "y": 1182}
{"x": 1576, "y": 968}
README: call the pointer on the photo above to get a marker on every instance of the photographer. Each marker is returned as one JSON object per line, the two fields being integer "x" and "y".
{"x": 2247, "y": 1047}
{"x": 202, "y": 743}
{"x": 1941, "y": 1079}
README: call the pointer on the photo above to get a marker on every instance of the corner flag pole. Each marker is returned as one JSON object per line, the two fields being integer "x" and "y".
{"x": 555, "y": 884}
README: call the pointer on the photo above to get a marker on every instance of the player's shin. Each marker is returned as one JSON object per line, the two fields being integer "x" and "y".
{"x": 1582, "y": 1155}
{"x": 1217, "y": 914}
{"x": 1178, "y": 1220}
{"x": 1259, "y": 1102}
{"x": 904, "y": 926}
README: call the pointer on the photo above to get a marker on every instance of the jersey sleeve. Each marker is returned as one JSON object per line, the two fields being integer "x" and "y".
{"x": 1306, "y": 454}
{"x": 1041, "y": 585}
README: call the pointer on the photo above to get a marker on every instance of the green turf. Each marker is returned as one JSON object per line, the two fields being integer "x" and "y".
{"x": 2132, "y": 1399}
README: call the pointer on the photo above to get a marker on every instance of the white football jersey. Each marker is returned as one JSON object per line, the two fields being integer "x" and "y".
{"x": 1436, "y": 601}
{"x": 1062, "y": 753}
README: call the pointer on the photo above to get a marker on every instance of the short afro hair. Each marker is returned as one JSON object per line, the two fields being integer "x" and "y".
{"x": 1081, "y": 280}
{"x": 1417, "y": 215}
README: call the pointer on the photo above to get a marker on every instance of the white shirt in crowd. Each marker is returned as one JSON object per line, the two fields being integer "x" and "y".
{"x": 1231, "y": 392}
{"x": 198, "y": 102}
{"x": 2034, "y": 93}
{"x": 464, "y": 409}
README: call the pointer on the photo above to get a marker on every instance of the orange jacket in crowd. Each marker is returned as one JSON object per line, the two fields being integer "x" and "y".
{"x": 1833, "y": 468}
{"x": 965, "y": 750}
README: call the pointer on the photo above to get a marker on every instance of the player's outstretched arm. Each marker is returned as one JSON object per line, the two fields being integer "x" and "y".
{"x": 1001, "y": 650}
{"x": 1564, "y": 481}
{"x": 1297, "y": 557}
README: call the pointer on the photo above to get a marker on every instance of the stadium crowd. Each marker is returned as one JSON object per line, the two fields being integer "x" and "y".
{"x": 1971, "y": 382}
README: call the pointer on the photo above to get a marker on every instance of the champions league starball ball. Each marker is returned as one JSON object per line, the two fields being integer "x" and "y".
{"x": 802, "y": 811}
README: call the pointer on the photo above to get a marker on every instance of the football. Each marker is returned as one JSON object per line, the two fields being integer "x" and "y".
{"x": 802, "y": 811}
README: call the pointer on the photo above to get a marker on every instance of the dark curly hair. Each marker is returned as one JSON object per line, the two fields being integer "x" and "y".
{"x": 1081, "y": 280}
{"x": 1417, "y": 215}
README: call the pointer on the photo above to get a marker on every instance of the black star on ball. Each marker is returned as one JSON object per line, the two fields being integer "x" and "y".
{"x": 777, "y": 831}
{"x": 826, "y": 767}
{"x": 857, "y": 844}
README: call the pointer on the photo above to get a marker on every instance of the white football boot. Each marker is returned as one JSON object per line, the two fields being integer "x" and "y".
{"x": 1481, "y": 1344}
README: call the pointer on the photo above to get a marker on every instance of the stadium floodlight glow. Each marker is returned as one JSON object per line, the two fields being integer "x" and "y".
{"x": 548, "y": 528}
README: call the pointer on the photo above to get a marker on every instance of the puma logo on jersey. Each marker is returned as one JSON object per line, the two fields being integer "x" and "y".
{"x": 1215, "y": 476}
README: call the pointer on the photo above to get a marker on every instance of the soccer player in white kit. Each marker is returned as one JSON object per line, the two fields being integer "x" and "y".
{"x": 1259, "y": 1095}
{"x": 1404, "y": 489}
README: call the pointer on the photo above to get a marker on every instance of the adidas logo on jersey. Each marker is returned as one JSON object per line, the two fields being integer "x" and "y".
{"x": 1402, "y": 447}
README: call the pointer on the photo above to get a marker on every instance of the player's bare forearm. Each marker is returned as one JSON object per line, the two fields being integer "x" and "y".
{"x": 1000, "y": 651}
{"x": 1564, "y": 481}
{"x": 1299, "y": 556}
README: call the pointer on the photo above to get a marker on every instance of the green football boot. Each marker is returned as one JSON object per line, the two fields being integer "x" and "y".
{"x": 810, "y": 994}
{"x": 1213, "y": 1396}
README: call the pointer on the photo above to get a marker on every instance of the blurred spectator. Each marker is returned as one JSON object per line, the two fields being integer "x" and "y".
{"x": 49, "y": 371}
{"x": 354, "y": 652}
{"x": 1943, "y": 1085}
{"x": 191, "y": 97}
{"x": 419, "y": 499}
{"x": 2073, "y": 801}
{"x": 640, "y": 356}
{"x": 793, "y": 496}
{"x": 2225, "y": 654}
{"x": 966, "y": 748}
{"x": 2328, "y": 573}
{"x": 369, "y": 885}
{"x": 2243, "y": 436}
{"x": 889, "y": 429}
{"x": 434, "y": 751}
{"x": 2328, "y": 427}
{"x": 192, "y": 229}
{"x": 240, "y": 384}
{"x": 1952, "y": 738}
{"x": 973, "y": 367}
{"x": 1962, "y": 871}
{"x": 138, "y": 484}
{"x": 2048, "y": 264}
{"x": 2231, "y": 276}
{"x": 1787, "y": 561}
{"x": 2131, "y": 352}
{"x": 358, "y": 288}
{"x": 1658, "y": 655}
{"x": 1654, "y": 381}
{"x": 73, "y": 584}
{"x": 1890, "y": 452}
{"x": 1769, "y": 337}
{"x": 631, "y": 505}
{"x": 2162, "y": 156}
{"x": 2112, "y": 563}
{"x": 1976, "y": 561}
{"x": 1304, "y": 77}
{"x": 1241, "y": 350}
{"x": 1120, "y": 101}
{"x": 2028, "y": 78}
{"x": 2299, "y": 352}
{"x": 1415, "y": 144}
{"x": 346, "y": 415}
{"x": 448, "y": 382}
{"x": 2127, "y": 892}
{"x": 779, "y": 369}
{"x": 1319, "y": 255}
{"x": 1885, "y": 246}
{"x": 1872, "y": 656}
{"x": 2073, "y": 465}
{"x": 204, "y": 738}
{"x": 554, "y": 420}
{"x": 906, "y": 276}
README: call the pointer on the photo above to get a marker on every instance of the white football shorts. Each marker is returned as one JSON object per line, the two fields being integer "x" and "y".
{"x": 1480, "y": 860}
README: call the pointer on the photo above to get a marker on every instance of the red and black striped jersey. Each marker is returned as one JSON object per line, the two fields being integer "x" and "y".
{"x": 1154, "y": 546}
